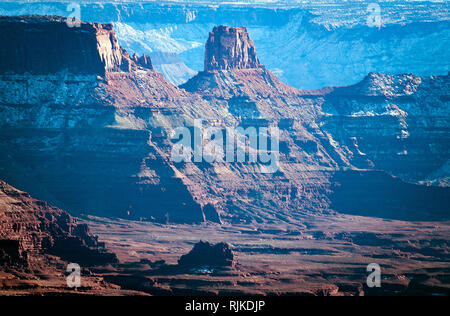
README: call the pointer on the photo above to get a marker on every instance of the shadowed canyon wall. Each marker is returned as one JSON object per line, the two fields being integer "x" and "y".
{"x": 100, "y": 142}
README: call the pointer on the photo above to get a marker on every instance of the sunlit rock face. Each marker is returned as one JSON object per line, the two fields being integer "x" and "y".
{"x": 101, "y": 142}
{"x": 230, "y": 48}
{"x": 46, "y": 45}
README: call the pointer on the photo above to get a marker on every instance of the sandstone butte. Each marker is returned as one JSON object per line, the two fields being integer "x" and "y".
{"x": 87, "y": 127}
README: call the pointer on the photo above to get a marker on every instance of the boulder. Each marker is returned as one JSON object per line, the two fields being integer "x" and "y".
{"x": 205, "y": 254}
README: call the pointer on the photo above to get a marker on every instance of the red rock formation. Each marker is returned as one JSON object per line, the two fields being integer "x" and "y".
{"x": 205, "y": 254}
{"x": 145, "y": 62}
{"x": 102, "y": 145}
{"x": 30, "y": 229}
{"x": 232, "y": 69}
{"x": 230, "y": 48}
{"x": 46, "y": 45}
{"x": 101, "y": 98}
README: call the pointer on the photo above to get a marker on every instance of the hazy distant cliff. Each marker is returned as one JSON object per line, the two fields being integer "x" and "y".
{"x": 397, "y": 123}
{"x": 309, "y": 45}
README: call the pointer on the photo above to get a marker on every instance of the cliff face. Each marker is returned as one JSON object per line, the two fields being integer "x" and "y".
{"x": 394, "y": 123}
{"x": 88, "y": 140}
{"x": 102, "y": 144}
{"x": 391, "y": 123}
{"x": 47, "y": 45}
{"x": 331, "y": 47}
{"x": 230, "y": 48}
{"x": 30, "y": 229}
{"x": 71, "y": 119}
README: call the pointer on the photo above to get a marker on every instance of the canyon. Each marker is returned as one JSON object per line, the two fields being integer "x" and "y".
{"x": 307, "y": 44}
{"x": 325, "y": 256}
{"x": 88, "y": 128}
{"x": 98, "y": 140}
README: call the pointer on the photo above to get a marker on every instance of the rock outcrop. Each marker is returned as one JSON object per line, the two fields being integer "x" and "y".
{"x": 102, "y": 144}
{"x": 43, "y": 45}
{"x": 31, "y": 229}
{"x": 143, "y": 61}
{"x": 396, "y": 123}
{"x": 105, "y": 112}
{"x": 230, "y": 48}
{"x": 205, "y": 254}
{"x": 380, "y": 123}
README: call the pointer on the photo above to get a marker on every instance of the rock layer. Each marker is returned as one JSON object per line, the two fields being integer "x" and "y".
{"x": 30, "y": 229}
{"x": 396, "y": 123}
{"x": 103, "y": 144}
{"x": 46, "y": 45}
{"x": 230, "y": 48}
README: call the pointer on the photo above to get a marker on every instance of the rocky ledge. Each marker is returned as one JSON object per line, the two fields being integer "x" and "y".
{"x": 45, "y": 45}
{"x": 32, "y": 229}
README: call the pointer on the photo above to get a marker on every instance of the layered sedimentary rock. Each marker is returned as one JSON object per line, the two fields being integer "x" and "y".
{"x": 87, "y": 147}
{"x": 69, "y": 134}
{"x": 205, "y": 254}
{"x": 46, "y": 45}
{"x": 256, "y": 98}
{"x": 30, "y": 229}
{"x": 396, "y": 123}
{"x": 230, "y": 48}
{"x": 102, "y": 144}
